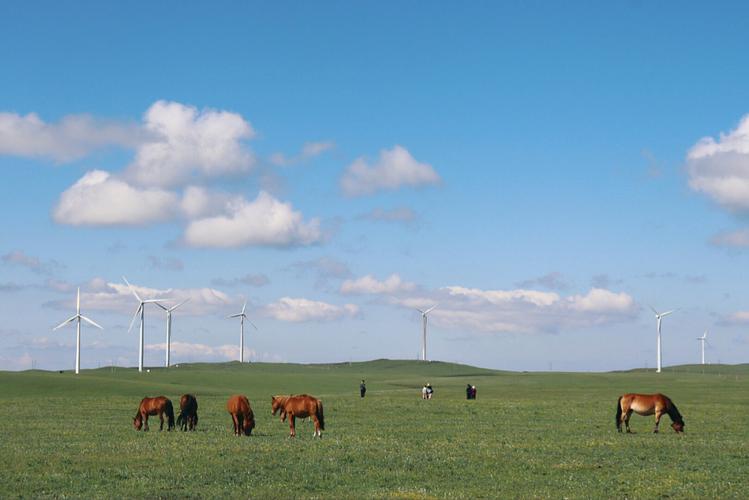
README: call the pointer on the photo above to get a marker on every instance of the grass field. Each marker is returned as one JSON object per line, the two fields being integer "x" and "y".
{"x": 528, "y": 435}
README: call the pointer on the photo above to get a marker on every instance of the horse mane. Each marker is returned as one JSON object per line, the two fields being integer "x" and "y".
{"x": 673, "y": 412}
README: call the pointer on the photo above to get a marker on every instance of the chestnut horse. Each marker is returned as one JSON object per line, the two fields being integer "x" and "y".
{"x": 154, "y": 406}
{"x": 302, "y": 406}
{"x": 647, "y": 404}
{"x": 241, "y": 414}
{"x": 188, "y": 415}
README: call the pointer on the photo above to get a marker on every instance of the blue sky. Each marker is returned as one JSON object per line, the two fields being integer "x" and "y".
{"x": 542, "y": 172}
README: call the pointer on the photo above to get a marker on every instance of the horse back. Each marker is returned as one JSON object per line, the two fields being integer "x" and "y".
{"x": 238, "y": 405}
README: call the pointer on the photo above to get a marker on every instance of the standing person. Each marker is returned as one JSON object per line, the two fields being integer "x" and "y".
{"x": 473, "y": 392}
{"x": 430, "y": 391}
{"x": 424, "y": 392}
{"x": 362, "y": 388}
{"x": 469, "y": 391}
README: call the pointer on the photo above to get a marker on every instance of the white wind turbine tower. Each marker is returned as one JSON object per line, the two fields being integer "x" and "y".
{"x": 242, "y": 316}
{"x": 169, "y": 326}
{"x": 424, "y": 332}
{"x": 141, "y": 307}
{"x": 77, "y": 318}
{"x": 658, "y": 318}
{"x": 702, "y": 340}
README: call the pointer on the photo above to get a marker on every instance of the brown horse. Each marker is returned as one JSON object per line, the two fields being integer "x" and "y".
{"x": 647, "y": 404}
{"x": 241, "y": 414}
{"x": 188, "y": 415}
{"x": 302, "y": 406}
{"x": 154, "y": 406}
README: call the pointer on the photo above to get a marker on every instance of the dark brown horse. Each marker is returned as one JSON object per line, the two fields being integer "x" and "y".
{"x": 188, "y": 415}
{"x": 647, "y": 404}
{"x": 302, "y": 406}
{"x": 154, "y": 406}
{"x": 241, "y": 414}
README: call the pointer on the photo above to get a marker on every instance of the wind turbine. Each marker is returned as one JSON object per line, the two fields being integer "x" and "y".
{"x": 77, "y": 318}
{"x": 424, "y": 333}
{"x": 140, "y": 310}
{"x": 658, "y": 318}
{"x": 169, "y": 326}
{"x": 242, "y": 316}
{"x": 702, "y": 340}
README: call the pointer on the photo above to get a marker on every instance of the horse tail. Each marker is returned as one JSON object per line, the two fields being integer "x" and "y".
{"x": 182, "y": 416}
{"x": 619, "y": 413}
{"x": 320, "y": 415}
{"x": 170, "y": 414}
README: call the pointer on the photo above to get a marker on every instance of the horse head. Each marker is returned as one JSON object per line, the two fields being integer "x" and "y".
{"x": 138, "y": 422}
{"x": 275, "y": 404}
{"x": 248, "y": 424}
{"x": 678, "y": 426}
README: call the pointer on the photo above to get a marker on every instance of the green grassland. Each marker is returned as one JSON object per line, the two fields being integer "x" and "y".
{"x": 528, "y": 435}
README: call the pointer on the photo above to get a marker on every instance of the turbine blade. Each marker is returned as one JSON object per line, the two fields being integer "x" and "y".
{"x": 244, "y": 306}
{"x": 668, "y": 312}
{"x": 430, "y": 309}
{"x": 84, "y": 318}
{"x": 132, "y": 321}
{"x": 162, "y": 306}
{"x": 236, "y": 315}
{"x": 653, "y": 309}
{"x": 78, "y": 302}
{"x": 131, "y": 289}
{"x": 65, "y": 322}
{"x": 253, "y": 324}
{"x": 151, "y": 301}
{"x": 180, "y": 304}
{"x": 422, "y": 312}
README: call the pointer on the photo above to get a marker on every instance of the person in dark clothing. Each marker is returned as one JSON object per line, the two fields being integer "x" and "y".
{"x": 469, "y": 391}
{"x": 473, "y": 392}
{"x": 362, "y": 388}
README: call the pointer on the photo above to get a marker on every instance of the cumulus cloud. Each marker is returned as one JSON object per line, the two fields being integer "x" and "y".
{"x": 99, "y": 199}
{"x": 71, "y": 138}
{"x": 187, "y": 143}
{"x": 102, "y": 295}
{"x": 198, "y": 352}
{"x": 736, "y": 318}
{"x": 370, "y": 285}
{"x": 520, "y": 311}
{"x": 720, "y": 168}
{"x": 262, "y": 222}
{"x": 32, "y": 263}
{"x": 309, "y": 150}
{"x": 300, "y": 310}
{"x": 394, "y": 168}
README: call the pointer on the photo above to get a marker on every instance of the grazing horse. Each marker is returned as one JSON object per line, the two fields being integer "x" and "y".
{"x": 188, "y": 415}
{"x": 647, "y": 404}
{"x": 154, "y": 406}
{"x": 302, "y": 406}
{"x": 241, "y": 414}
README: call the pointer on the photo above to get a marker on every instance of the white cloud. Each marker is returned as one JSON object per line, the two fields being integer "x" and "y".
{"x": 300, "y": 310}
{"x": 738, "y": 238}
{"x": 32, "y": 263}
{"x": 71, "y": 138}
{"x": 736, "y": 318}
{"x": 720, "y": 168}
{"x": 102, "y": 295}
{"x": 188, "y": 143}
{"x": 521, "y": 311}
{"x": 195, "y": 352}
{"x": 309, "y": 150}
{"x": 600, "y": 301}
{"x": 262, "y": 222}
{"x": 394, "y": 168}
{"x": 98, "y": 199}
{"x": 370, "y": 285}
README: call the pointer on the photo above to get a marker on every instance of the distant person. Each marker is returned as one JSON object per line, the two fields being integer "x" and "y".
{"x": 469, "y": 391}
{"x": 430, "y": 391}
{"x": 424, "y": 392}
{"x": 473, "y": 392}
{"x": 362, "y": 388}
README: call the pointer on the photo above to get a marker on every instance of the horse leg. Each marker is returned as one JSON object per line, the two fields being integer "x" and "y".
{"x": 292, "y": 419}
{"x": 235, "y": 421}
{"x": 626, "y": 420}
{"x": 144, "y": 417}
{"x": 161, "y": 419}
{"x": 317, "y": 433}
{"x": 658, "y": 414}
